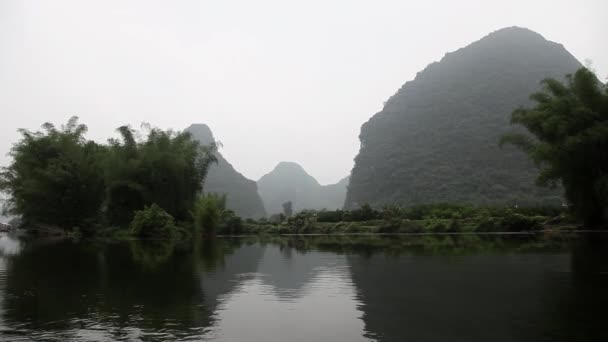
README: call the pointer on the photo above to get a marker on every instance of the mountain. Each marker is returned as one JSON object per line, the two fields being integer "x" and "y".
{"x": 436, "y": 139}
{"x": 290, "y": 182}
{"x": 242, "y": 193}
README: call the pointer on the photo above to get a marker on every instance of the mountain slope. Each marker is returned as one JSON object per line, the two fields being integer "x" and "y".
{"x": 242, "y": 193}
{"x": 436, "y": 139}
{"x": 290, "y": 182}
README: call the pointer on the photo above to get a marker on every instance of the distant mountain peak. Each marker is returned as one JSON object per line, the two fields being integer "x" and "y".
{"x": 242, "y": 193}
{"x": 201, "y": 132}
{"x": 289, "y": 166}
{"x": 288, "y": 181}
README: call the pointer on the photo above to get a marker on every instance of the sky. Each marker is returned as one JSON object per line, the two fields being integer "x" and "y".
{"x": 275, "y": 80}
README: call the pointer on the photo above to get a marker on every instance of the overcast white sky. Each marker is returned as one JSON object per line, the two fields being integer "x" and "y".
{"x": 276, "y": 80}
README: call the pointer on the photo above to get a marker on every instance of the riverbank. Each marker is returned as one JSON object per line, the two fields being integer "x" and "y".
{"x": 417, "y": 220}
{"x": 434, "y": 219}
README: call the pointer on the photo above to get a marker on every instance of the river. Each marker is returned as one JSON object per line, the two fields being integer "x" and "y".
{"x": 287, "y": 289}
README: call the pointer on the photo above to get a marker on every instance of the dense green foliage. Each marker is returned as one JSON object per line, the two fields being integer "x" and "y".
{"x": 153, "y": 222}
{"x": 55, "y": 178}
{"x": 58, "y": 178}
{"x": 438, "y": 218}
{"x": 212, "y": 217}
{"x": 435, "y": 140}
{"x": 290, "y": 182}
{"x": 242, "y": 193}
{"x": 207, "y": 212}
{"x": 167, "y": 168}
{"x": 570, "y": 126}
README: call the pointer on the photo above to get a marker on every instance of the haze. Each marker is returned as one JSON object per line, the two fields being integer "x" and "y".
{"x": 275, "y": 80}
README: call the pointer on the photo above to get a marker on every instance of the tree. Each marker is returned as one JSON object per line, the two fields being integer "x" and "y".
{"x": 569, "y": 124}
{"x": 55, "y": 178}
{"x": 208, "y": 212}
{"x": 166, "y": 168}
{"x": 288, "y": 209}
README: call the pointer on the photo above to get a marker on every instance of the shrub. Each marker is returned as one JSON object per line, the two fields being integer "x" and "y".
{"x": 390, "y": 226}
{"x": 513, "y": 222}
{"x": 330, "y": 216}
{"x": 365, "y": 213}
{"x": 389, "y": 212}
{"x": 207, "y": 212}
{"x": 230, "y": 224}
{"x": 302, "y": 222}
{"x": 153, "y": 222}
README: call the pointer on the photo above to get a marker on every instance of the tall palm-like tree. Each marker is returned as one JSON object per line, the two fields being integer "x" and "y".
{"x": 569, "y": 142}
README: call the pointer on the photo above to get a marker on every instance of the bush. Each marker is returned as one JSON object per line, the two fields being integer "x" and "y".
{"x": 303, "y": 222}
{"x": 207, "y": 214}
{"x": 330, "y": 216}
{"x": 365, "y": 213}
{"x": 513, "y": 222}
{"x": 390, "y": 226}
{"x": 389, "y": 212}
{"x": 153, "y": 222}
{"x": 230, "y": 224}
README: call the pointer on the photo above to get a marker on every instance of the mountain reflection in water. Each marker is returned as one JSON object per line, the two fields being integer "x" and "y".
{"x": 432, "y": 288}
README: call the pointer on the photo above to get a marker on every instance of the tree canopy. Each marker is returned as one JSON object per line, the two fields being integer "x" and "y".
{"x": 59, "y": 178}
{"x": 55, "y": 176}
{"x": 569, "y": 124}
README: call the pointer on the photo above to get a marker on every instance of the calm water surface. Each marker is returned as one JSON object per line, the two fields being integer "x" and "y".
{"x": 441, "y": 288}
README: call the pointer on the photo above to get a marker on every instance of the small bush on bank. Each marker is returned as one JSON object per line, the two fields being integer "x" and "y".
{"x": 514, "y": 222}
{"x": 153, "y": 222}
{"x": 303, "y": 222}
{"x": 365, "y": 213}
{"x": 207, "y": 213}
{"x": 333, "y": 216}
{"x": 390, "y": 226}
{"x": 230, "y": 224}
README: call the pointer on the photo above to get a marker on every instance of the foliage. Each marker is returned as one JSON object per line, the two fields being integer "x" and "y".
{"x": 58, "y": 179}
{"x": 54, "y": 177}
{"x": 166, "y": 168}
{"x": 330, "y": 216}
{"x": 435, "y": 139}
{"x": 207, "y": 213}
{"x": 302, "y": 222}
{"x": 570, "y": 126}
{"x": 364, "y": 213}
{"x": 440, "y": 218}
{"x": 230, "y": 223}
{"x": 153, "y": 222}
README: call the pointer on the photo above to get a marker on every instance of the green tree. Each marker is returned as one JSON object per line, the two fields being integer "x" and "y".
{"x": 153, "y": 222}
{"x": 207, "y": 213}
{"x": 166, "y": 168}
{"x": 569, "y": 124}
{"x": 55, "y": 176}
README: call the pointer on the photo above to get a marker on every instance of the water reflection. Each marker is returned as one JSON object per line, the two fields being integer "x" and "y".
{"x": 466, "y": 288}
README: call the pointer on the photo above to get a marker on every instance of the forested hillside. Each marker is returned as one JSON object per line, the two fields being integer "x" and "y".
{"x": 290, "y": 182}
{"x": 436, "y": 139}
{"x": 242, "y": 193}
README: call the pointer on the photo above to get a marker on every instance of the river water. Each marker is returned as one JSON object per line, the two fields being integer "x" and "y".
{"x": 284, "y": 289}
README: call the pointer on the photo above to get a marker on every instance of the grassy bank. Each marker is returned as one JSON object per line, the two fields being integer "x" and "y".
{"x": 442, "y": 218}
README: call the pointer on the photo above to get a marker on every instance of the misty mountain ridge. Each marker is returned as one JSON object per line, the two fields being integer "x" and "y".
{"x": 289, "y": 181}
{"x": 242, "y": 193}
{"x": 436, "y": 139}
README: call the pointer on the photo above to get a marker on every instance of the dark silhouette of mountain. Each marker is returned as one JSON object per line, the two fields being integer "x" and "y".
{"x": 436, "y": 139}
{"x": 242, "y": 193}
{"x": 290, "y": 182}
